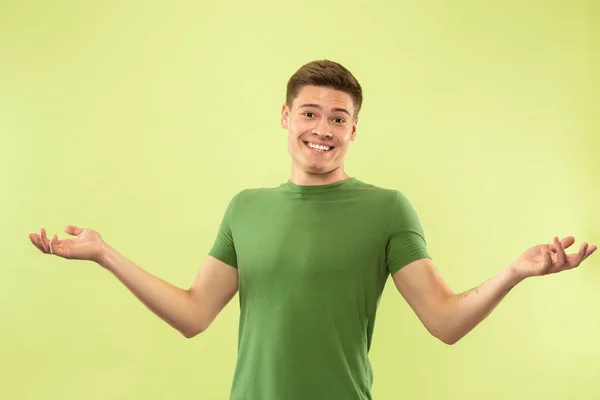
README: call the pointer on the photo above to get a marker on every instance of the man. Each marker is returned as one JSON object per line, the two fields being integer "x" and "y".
{"x": 310, "y": 259}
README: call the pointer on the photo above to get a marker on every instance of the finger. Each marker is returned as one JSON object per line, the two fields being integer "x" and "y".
{"x": 73, "y": 230}
{"x": 579, "y": 257}
{"x": 546, "y": 260}
{"x": 561, "y": 257}
{"x": 590, "y": 251}
{"x": 53, "y": 244}
{"x": 44, "y": 240}
{"x": 567, "y": 241}
{"x": 551, "y": 248}
{"x": 37, "y": 241}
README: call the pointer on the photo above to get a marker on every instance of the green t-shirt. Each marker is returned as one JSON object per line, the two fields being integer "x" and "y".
{"x": 312, "y": 263}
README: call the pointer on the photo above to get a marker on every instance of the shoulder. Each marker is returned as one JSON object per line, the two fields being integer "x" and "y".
{"x": 253, "y": 195}
{"x": 392, "y": 197}
{"x": 395, "y": 206}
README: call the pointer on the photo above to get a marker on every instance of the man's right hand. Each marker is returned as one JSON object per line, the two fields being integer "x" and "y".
{"x": 86, "y": 245}
{"x": 189, "y": 311}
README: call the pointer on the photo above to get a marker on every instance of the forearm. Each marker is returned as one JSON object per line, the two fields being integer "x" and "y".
{"x": 460, "y": 313}
{"x": 172, "y": 304}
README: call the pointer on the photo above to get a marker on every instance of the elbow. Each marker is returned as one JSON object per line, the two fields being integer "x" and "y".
{"x": 188, "y": 334}
{"x": 449, "y": 340}
{"x": 444, "y": 335}
{"x": 192, "y": 331}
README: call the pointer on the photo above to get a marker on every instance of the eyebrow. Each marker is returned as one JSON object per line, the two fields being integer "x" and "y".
{"x": 320, "y": 108}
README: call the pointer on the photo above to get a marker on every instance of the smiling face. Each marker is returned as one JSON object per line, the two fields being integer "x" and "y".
{"x": 321, "y": 123}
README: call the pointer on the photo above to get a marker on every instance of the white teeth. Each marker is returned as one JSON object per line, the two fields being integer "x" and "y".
{"x": 318, "y": 147}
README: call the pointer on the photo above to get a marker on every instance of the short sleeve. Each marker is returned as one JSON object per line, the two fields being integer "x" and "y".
{"x": 223, "y": 248}
{"x": 406, "y": 240}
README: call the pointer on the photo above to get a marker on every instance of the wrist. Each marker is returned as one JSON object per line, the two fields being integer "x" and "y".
{"x": 103, "y": 258}
{"x": 515, "y": 274}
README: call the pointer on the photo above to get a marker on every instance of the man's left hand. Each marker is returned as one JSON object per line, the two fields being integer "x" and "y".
{"x": 547, "y": 259}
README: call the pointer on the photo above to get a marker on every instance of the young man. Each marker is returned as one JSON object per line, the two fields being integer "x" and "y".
{"x": 310, "y": 259}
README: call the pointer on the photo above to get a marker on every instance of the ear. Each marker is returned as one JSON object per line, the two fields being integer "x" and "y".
{"x": 353, "y": 133}
{"x": 285, "y": 116}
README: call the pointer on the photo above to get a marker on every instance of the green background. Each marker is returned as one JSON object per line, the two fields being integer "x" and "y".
{"x": 142, "y": 120}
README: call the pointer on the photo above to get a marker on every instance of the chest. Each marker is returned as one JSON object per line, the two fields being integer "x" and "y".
{"x": 324, "y": 243}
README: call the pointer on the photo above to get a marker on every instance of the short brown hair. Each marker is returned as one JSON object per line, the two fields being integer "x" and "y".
{"x": 325, "y": 73}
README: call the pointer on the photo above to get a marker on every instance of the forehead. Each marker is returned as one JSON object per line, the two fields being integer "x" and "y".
{"x": 323, "y": 95}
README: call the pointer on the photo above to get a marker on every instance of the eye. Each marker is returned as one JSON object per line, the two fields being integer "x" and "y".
{"x": 309, "y": 114}
{"x": 339, "y": 120}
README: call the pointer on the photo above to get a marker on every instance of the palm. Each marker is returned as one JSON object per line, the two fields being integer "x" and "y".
{"x": 79, "y": 247}
{"x": 534, "y": 258}
{"x": 85, "y": 245}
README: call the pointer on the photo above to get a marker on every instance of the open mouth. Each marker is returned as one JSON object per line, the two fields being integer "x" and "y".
{"x": 318, "y": 147}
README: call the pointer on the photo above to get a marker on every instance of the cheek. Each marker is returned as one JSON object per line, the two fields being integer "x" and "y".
{"x": 292, "y": 141}
{"x": 297, "y": 126}
{"x": 296, "y": 130}
{"x": 344, "y": 137}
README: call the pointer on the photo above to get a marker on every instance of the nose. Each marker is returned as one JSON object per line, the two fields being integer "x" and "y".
{"x": 322, "y": 128}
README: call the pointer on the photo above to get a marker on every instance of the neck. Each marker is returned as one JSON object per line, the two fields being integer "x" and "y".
{"x": 304, "y": 178}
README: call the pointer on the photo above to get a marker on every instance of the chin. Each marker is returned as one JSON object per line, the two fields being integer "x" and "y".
{"x": 315, "y": 171}
{"x": 318, "y": 169}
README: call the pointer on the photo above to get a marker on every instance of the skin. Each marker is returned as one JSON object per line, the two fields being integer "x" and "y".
{"x": 319, "y": 115}
{"x": 447, "y": 315}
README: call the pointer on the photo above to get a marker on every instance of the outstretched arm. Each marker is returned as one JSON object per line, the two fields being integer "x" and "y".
{"x": 189, "y": 311}
{"x": 450, "y": 316}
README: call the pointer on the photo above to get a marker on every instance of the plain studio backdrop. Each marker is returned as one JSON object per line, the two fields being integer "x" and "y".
{"x": 141, "y": 121}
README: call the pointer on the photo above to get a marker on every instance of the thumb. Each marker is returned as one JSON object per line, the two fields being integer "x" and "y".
{"x": 73, "y": 230}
